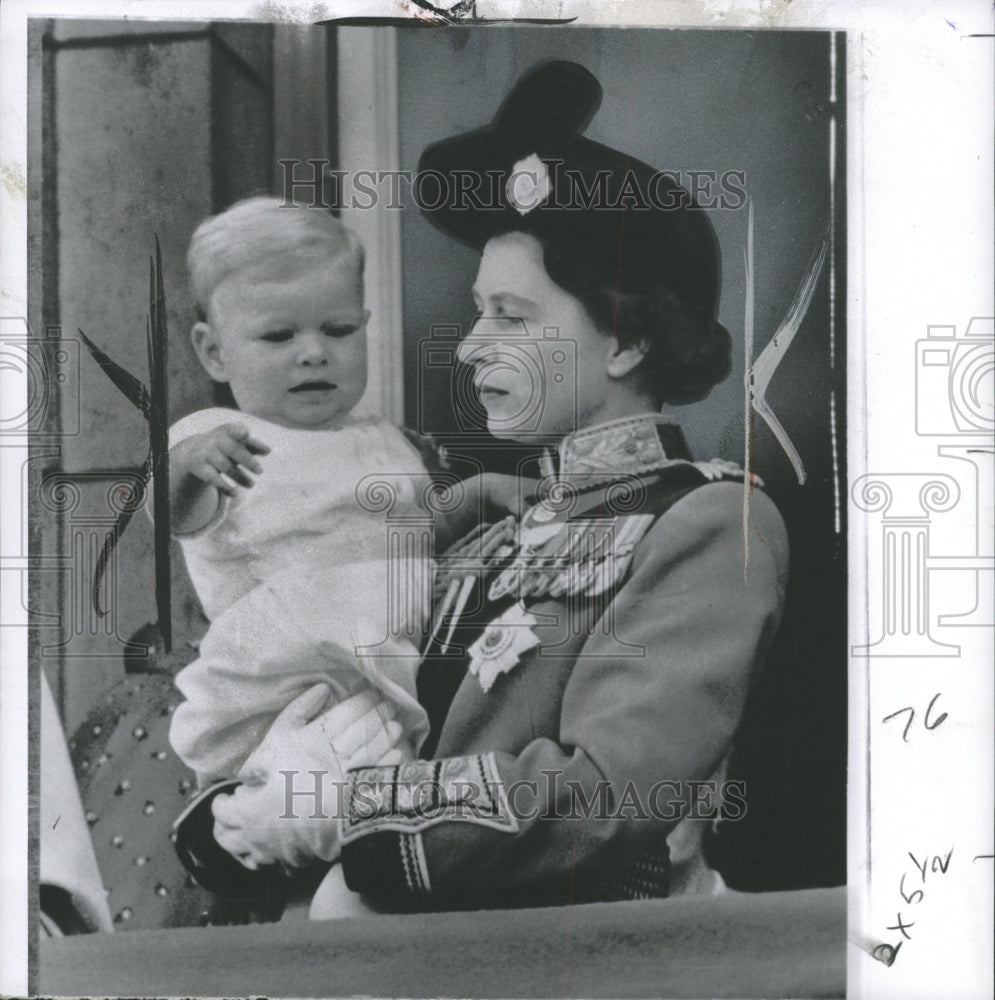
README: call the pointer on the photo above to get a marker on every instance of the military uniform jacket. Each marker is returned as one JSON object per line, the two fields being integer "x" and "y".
{"x": 586, "y": 675}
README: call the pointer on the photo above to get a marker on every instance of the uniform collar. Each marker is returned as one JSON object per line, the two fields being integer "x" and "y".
{"x": 630, "y": 446}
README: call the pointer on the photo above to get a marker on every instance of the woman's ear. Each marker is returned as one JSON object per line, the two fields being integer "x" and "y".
{"x": 208, "y": 347}
{"x": 620, "y": 361}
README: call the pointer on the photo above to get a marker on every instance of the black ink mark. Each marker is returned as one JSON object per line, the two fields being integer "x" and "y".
{"x": 463, "y": 12}
{"x": 56, "y": 823}
{"x": 929, "y": 708}
{"x": 905, "y": 731}
{"x": 921, "y": 866}
{"x": 153, "y": 405}
{"x": 912, "y": 714}
{"x": 941, "y": 866}
{"x": 937, "y": 865}
{"x": 887, "y": 953}
{"x": 457, "y": 12}
{"x": 159, "y": 439}
{"x": 910, "y": 899}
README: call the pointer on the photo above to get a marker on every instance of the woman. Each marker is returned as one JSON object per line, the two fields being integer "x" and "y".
{"x": 590, "y": 662}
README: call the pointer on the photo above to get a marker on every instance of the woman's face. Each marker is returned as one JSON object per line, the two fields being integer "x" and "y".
{"x": 539, "y": 362}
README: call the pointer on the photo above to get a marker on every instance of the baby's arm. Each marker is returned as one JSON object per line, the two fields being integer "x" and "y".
{"x": 205, "y": 466}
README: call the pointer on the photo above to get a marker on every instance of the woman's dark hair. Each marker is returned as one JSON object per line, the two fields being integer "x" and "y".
{"x": 687, "y": 351}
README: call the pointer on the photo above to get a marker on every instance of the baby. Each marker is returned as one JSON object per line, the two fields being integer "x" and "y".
{"x": 290, "y": 568}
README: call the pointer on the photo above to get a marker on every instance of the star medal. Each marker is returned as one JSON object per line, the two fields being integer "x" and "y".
{"x": 502, "y": 644}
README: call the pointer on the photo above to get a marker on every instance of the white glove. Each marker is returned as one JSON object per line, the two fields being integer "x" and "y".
{"x": 292, "y": 817}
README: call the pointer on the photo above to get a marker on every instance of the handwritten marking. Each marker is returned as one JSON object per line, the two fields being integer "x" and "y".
{"x": 912, "y": 714}
{"x": 899, "y": 926}
{"x": 887, "y": 953}
{"x": 934, "y": 865}
{"x": 915, "y": 892}
{"x": 882, "y": 952}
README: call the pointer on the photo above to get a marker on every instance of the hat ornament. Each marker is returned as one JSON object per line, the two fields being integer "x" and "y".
{"x": 528, "y": 184}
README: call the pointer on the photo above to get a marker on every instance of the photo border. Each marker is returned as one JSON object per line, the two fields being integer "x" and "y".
{"x": 909, "y": 71}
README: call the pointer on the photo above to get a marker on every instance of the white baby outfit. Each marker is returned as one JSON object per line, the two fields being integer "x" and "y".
{"x": 293, "y": 574}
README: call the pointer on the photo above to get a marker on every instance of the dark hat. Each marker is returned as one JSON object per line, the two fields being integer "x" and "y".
{"x": 604, "y": 211}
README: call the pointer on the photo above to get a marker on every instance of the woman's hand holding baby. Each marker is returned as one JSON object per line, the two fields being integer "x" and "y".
{"x": 286, "y": 810}
{"x": 203, "y": 466}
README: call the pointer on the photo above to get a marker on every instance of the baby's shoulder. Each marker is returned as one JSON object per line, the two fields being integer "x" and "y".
{"x": 388, "y": 442}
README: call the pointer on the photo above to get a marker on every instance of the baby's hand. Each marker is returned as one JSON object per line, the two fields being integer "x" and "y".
{"x": 222, "y": 457}
{"x": 205, "y": 466}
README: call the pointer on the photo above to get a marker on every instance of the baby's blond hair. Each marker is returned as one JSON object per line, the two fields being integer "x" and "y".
{"x": 261, "y": 233}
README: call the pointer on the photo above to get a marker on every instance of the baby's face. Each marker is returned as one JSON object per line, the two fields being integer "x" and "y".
{"x": 292, "y": 347}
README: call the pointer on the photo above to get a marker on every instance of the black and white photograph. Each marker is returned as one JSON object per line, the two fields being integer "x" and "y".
{"x": 454, "y": 554}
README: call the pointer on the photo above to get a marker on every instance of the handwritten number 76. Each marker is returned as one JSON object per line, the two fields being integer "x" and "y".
{"x": 927, "y": 721}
